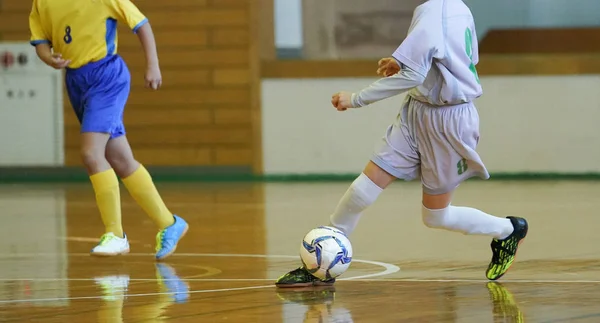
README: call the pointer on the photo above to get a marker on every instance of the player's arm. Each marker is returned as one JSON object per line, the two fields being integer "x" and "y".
{"x": 153, "y": 75}
{"x": 387, "y": 87}
{"x": 128, "y": 13}
{"x": 55, "y": 60}
{"x": 381, "y": 89}
{"x": 42, "y": 42}
{"x": 415, "y": 56}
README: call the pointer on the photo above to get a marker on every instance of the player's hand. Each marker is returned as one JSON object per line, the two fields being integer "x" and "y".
{"x": 387, "y": 66}
{"x": 57, "y": 62}
{"x": 153, "y": 77}
{"x": 342, "y": 101}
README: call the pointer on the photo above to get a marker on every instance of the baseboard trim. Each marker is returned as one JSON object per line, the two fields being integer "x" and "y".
{"x": 237, "y": 174}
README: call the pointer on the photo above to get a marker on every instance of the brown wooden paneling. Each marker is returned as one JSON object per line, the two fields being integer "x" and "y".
{"x": 197, "y": 38}
{"x": 191, "y": 96}
{"x": 203, "y": 114}
{"x": 176, "y": 78}
{"x": 178, "y": 115}
{"x": 239, "y": 76}
{"x": 167, "y": 117}
{"x": 541, "y": 64}
{"x": 258, "y": 9}
{"x": 233, "y": 156}
{"x": 230, "y": 3}
{"x": 317, "y": 69}
{"x": 176, "y": 136}
{"x": 229, "y": 37}
{"x": 188, "y": 58}
{"x": 541, "y": 41}
{"x": 17, "y": 21}
{"x": 151, "y": 5}
{"x": 198, "y": 18}
{"x": 12, "y": 6}
{"x": 232, "y": 116}
{"x": 14, "y": 36}
{"x": 158, "y": 156}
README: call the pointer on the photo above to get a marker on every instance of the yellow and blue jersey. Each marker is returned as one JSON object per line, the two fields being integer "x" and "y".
{"x": 82, "y": 31}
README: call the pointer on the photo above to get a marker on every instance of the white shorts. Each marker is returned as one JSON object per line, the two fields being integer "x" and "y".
{"x": 436, "y": 143}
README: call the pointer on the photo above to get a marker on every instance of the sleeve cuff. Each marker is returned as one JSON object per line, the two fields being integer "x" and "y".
{"x": 139, "y": 25}
{"x": 355, "y": 100}
{"x": 39, "y": 41}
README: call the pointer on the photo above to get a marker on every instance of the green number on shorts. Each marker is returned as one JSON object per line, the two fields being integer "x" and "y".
{"x": 462, "y": 166}
{"x": 469, "y": 48}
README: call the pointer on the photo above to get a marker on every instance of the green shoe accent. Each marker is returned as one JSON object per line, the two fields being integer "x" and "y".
{"x": 106, "y": 238}
{"x": 504, "y": 251}
{"x": 159, "y": 238}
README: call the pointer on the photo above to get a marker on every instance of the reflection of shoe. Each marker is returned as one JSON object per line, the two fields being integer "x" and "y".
{"x": 111, "y": 245}
{"x": 113, "y": 287}
{"x": 301, "y": 277}
{"x": 309, "y": 295}
{"x": 167, "y": 277}
{"x": 505, "y": 251}
{"x": 168, "y": 238}
{"x": 314, "y": 304}
{"x": 505, "y": 306}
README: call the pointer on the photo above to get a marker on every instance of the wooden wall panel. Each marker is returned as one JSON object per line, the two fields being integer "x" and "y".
{"x": 541, "y": 41}
{"x": 203, "y": 115}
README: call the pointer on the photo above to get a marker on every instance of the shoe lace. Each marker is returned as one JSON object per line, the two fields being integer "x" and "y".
{"x": 106, "y": 238}
{"x": 503, "y": 251}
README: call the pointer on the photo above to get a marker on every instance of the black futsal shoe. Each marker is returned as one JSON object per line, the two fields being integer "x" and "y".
{"x": 301, "y": 277}
{"x": 504, "y": 251}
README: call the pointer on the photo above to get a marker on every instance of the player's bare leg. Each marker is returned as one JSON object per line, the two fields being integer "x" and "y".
{"x": 119, "y": 155}
{"x": 106, "y": 189}
{"x": 361, "y": 194}
{"x": 507, "y": 232}
{"x": 141, "y": 187}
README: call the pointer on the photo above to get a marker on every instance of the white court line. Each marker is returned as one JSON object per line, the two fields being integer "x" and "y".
{"x": 478, "y": 281}
{"x": 58, "y": 299}
{"x": 357, "y": 278}
{"x": 388, "y": 269}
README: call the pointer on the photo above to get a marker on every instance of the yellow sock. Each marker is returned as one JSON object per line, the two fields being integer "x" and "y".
{"x": 108, "y": 199}
{"x": 144, "y": 192}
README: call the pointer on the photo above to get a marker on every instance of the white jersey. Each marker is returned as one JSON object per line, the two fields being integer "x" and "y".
{"x": 441, "y": 45}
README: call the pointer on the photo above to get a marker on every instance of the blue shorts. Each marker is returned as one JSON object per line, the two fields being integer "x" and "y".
{"x": 98, "y": 93}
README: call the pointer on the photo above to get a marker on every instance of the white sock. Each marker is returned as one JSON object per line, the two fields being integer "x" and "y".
{"x": 468, "y": 221}
{"x": 362, "y": 193}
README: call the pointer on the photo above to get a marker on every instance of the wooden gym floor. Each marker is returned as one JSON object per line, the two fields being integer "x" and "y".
{"x": 243, "y": 236}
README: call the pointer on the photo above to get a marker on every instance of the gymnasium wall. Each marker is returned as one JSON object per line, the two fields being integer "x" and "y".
{"x": 538, "y": 114}
{"x": 203, "y": 115}
{"x": 529, "y": 124}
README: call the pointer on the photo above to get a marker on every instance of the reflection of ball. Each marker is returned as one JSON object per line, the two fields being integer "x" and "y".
{"x": 326, "y": 252}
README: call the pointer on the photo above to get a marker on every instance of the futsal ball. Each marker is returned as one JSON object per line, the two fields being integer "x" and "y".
{"x": 326, "y": 252}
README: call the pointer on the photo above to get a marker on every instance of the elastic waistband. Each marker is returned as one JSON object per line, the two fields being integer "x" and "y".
{"x": 93, "y": 65}
{"x": 427, "y": 104}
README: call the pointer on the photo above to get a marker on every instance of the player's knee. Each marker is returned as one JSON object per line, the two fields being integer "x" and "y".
{"x": 124, "y": 165}
{"x": 91, "y": 157}
{"x": 435, "y": 218}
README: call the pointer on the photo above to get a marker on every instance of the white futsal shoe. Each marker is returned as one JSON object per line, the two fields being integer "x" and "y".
{"x": 111, "y": 245}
